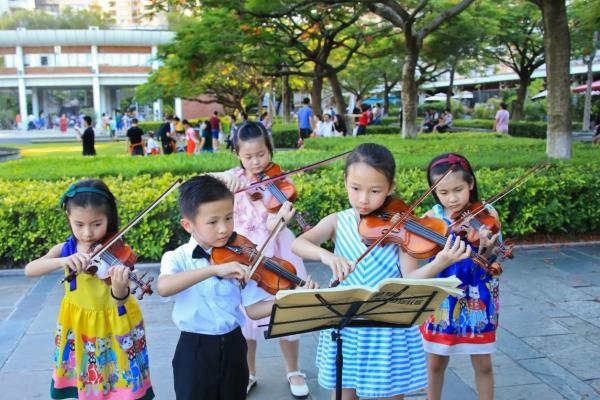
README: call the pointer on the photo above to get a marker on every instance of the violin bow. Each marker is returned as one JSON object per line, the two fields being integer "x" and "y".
{"x": 260, "y": 253}
{"x": 403, "y": 217}
{"x": 295, "y": 171}
{"x": 131, "y": 223}
{"x": 505, "y": 191}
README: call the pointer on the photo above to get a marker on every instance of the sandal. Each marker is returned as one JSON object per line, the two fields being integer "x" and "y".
{"x": 298, "y": 391}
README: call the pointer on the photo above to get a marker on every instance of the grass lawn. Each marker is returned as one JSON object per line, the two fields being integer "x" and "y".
{"x": 56, "y": 161}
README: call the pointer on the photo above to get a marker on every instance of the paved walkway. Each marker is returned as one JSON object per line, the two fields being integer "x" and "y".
{"x": 548, "y": 346}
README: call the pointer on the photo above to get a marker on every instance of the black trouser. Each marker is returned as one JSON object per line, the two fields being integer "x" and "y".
{"x": 167, "y": 146}
{"x": 211, "y": 367}
{"x": 137, "y": 150}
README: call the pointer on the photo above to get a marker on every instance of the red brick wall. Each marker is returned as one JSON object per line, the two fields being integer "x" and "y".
{"x": 106, "y": 69}
{"x": 38, "y": 50}
{"x": 125, "y": 49}
{"x": 58, "y": 70}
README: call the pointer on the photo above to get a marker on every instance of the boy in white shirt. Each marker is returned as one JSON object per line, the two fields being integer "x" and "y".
{"x": 210, "y": 359}
{"x": 152, "y": 147}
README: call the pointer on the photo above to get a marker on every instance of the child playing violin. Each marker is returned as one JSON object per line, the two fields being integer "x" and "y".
{"x": 254, "y": 149}
{"x": 466, "y": 325}
{"x": 100, "y": 345}
{"x": 378, "y": 362}
{"x": 210, "y": 359}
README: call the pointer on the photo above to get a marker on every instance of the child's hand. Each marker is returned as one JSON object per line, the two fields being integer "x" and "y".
{"x": 453, "y": 252}
{"x": 232, "y": 270}
{"x": 77, "y": 262}
{"x": 119, "y": 277}
{"x": 487, "y": 242}
{"x": 232, "y": 182}
{"x": 340, "y": 266}
{"x": 309, "y": 284}
{"x": 286, "y": 212}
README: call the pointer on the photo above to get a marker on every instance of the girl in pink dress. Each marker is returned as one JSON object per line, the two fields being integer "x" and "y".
{"x": 255, "y": 151}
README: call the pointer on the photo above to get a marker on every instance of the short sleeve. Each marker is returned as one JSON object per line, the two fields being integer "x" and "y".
{"x": 252, "y": 294}
{"x": 169, "y": 264}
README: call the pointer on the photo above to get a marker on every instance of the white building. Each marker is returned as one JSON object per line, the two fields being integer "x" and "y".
{"x": 101, "y": 64}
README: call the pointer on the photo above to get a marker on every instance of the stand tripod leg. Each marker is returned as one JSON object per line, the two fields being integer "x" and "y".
{"x": 339, "y": 363}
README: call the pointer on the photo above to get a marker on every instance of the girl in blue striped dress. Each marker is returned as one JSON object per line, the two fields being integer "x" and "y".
{"x": 378, "y": 362}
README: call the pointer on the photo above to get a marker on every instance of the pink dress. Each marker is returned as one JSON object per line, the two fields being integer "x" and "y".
{"x": 251, "y": 221}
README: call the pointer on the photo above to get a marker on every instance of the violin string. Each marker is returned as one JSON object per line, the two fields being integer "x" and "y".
{"x": 113, "y": 260}
{"x": 435, "y": 237}
{"x": 273, "y": 266}
{"x": 281, "y": 197}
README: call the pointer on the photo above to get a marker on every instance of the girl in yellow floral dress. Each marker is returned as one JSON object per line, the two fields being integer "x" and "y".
{"x": 100, "y": 342}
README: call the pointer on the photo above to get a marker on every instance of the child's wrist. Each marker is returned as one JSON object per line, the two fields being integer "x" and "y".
{"x": 120, "y": 294}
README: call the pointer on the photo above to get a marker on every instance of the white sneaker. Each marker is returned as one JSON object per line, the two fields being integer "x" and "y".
{"x": 298, "y": 391}
{"x": 251, "y": 383}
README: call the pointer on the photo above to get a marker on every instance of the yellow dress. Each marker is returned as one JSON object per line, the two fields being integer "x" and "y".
{"x": 100, "y": 349}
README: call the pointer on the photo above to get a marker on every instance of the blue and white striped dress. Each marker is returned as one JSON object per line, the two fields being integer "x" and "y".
{"x": 378, "y": 362}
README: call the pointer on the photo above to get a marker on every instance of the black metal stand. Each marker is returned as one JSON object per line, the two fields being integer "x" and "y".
{"x": 352, "y": 317}
{"x": 336, "y": 335}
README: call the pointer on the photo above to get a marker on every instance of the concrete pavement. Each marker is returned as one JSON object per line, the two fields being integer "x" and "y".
{"x": 548, "y": 343}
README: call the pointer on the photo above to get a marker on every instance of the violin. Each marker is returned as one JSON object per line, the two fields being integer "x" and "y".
{"x": 274, "y": 194}
{"x": 471, "y": 219}
{"x": 115, "y": 252}
{"x": 272, "y": 274}
{"x": 420, "y": 237}
{"x": 118, "y": 254}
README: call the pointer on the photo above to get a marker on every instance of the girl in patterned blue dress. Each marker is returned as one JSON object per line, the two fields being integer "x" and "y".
{"x": 378, "y": 362}
{"x": 464, "y": 325}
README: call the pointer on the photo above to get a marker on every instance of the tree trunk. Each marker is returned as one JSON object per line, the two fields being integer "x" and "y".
{"x": 336, "y": 88}
{"x": 450, "y": 92}
{"x": 409, "y": 89}
{"x": 386, "y": 99}
{"x": 519, "y": 104}
{"x": 557, "y": 48}
{"x": 271, "y": 101}
{"x": 287, "y": 99}
{"x": 316, "y": 93}
{"x": 587, "y": 108}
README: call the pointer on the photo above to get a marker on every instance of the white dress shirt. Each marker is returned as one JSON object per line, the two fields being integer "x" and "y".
{"x": 210, "y": 307}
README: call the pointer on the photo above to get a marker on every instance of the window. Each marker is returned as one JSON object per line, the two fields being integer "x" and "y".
{"x": 44, "y": 61}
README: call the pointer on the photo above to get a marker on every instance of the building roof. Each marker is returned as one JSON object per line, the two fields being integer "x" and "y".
{"x": 81, "y": 37}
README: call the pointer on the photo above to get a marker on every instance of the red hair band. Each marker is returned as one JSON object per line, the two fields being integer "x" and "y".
{"x": 452, "y": 159}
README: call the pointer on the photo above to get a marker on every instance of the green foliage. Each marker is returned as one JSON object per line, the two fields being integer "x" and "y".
{"x": 560, "y": 200}
{"x": 67, "y": 19}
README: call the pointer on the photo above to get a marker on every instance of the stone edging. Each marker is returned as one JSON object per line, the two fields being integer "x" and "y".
{"x": 9, "y": 153}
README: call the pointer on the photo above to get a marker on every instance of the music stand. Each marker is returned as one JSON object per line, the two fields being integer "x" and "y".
{"x": 396, "y": 303}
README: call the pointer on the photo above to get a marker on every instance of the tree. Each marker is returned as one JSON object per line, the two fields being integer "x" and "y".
{"x": 321, "y": 40}
{"x": 300, "y": 38}
{"x": 557, "y": 48}
{"x": 520, "y": 45}
{"x": 584, "y": 41}
{"x": 417, "y": 20}
{"x": 457, "y": 46}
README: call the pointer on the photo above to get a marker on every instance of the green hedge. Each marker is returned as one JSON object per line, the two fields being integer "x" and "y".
{"x": 532, "y": 129}
{"x": 564, "y": 199}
